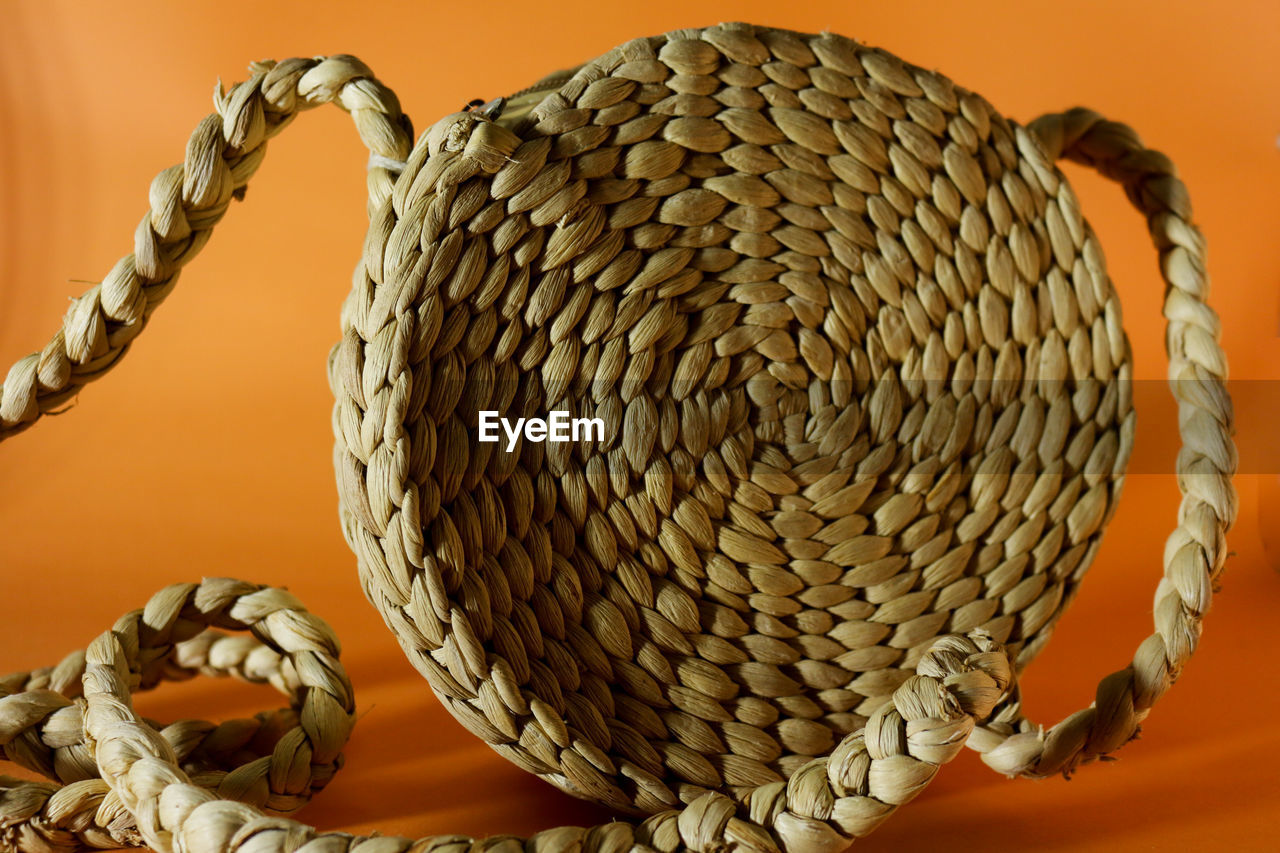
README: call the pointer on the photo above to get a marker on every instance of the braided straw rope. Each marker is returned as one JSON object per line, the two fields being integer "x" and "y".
{"x": 187, "y": 200}
{"x": 867, "y": 412}
{"x": 275, "y": 761}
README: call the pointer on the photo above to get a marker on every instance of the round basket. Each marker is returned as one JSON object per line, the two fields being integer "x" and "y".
{"x": 856, "y": 407}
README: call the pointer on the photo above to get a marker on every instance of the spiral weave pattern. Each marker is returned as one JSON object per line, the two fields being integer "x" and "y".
{"x": 862, "y": 377}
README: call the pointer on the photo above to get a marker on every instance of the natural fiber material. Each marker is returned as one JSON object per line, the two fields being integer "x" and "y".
{"x": 275, "y": 761}
{"x": 866, "y": 401}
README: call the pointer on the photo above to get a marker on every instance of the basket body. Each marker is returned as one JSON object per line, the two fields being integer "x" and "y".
{"x": 862, "y": 376}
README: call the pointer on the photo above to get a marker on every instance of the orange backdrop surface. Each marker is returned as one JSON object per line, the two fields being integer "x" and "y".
{"x": 208, "y": 451}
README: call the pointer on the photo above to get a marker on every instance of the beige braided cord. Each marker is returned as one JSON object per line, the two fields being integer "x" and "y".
{"x": 1195, "y": 553}
{"x": 276, "y": 760}
{"x": 187, "y": 201}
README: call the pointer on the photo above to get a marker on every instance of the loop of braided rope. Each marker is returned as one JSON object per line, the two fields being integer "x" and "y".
{"x": 1195, "y": 553}
{"x": 471, "y": 252}
{"x": 187, "y": 201}
{"x": 275, "y": 761}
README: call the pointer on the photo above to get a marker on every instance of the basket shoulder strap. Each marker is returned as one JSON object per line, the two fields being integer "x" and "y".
{"x": 1196, "y": 551}
{"x": 187, "y": 201}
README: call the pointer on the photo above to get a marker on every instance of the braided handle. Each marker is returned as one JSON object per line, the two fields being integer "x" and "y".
{"x": 1196, "y": 551}
{"x": 275, "y": 761}
{"x": 187, "y": 201}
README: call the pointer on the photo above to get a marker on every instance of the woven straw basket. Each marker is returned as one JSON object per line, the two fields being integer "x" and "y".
{"x": 866, "y": 406}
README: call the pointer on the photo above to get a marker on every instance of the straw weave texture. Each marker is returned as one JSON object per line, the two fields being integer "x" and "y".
{"x": 867, "y": 410}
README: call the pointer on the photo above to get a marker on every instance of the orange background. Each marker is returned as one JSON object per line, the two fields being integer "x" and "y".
{"x": 207, "y": 451}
